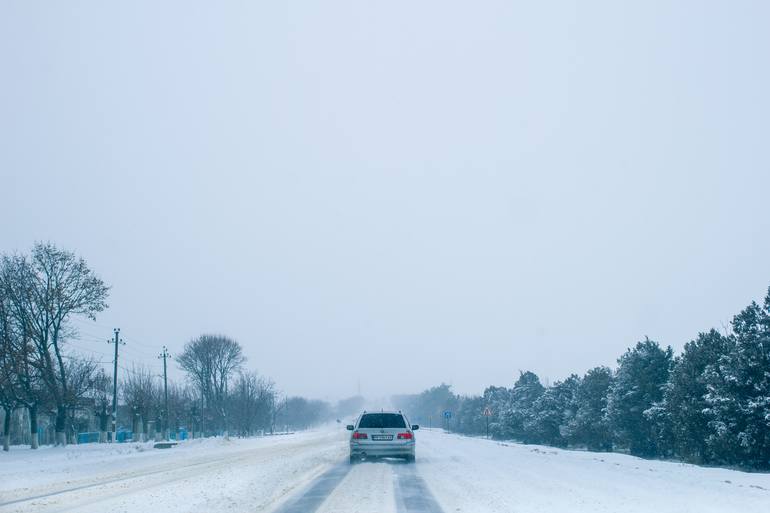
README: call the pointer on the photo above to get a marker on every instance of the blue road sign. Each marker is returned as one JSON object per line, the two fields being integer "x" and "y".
{"x": 447, "y": 414}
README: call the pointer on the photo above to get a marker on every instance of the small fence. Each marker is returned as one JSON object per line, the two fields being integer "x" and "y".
{"x": 124, "y": 436}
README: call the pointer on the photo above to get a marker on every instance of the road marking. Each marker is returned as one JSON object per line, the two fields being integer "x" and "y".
{"x": 412, "y": 494}
{"x": 312, "y": 498}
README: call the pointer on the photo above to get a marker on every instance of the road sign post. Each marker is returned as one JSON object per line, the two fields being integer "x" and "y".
{"x": 447, "y": 418}
{"x": 487, "y": 413}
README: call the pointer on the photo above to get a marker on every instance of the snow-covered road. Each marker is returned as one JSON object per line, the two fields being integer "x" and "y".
{"x": 306, "y": 472}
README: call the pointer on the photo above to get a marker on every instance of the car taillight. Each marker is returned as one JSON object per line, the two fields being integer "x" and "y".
{"x": 405, "y": 436}
{"x": 358, "y": 435}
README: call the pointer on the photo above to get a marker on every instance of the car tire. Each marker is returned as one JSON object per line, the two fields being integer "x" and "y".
{"x": 353, "y": 459}
{"x": 409, "y": 458}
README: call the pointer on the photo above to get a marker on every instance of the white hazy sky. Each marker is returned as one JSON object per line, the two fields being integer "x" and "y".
{"x": 398, "y": 192}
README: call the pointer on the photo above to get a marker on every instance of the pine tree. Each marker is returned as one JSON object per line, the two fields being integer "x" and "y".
{"x": 738, "y": 395}
{"x": 638, "y": 386}
{"x": 588, "y": 427}
{"x": 551, "y": 412}
{"x": 684, "y": 404}
{"x": 469, "y": 418}
{"x": 524, "y": 393}
{"x": 498, "y": 399}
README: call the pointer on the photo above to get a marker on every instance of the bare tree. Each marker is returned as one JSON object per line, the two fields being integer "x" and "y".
{"x": 82, "y": 373}
{"x": 102, "y": 411}
{"x": 277, "y": 406}
{"x": 45, "y": 290}
{"x": 31, "y": 392}
{"x": 8, "y": 370}
{"x": 22, "y": 384}
{"x": 181, "y": 399}
{"x": 7, "y": 399}
{"x": 251, "y": 399}
{"x": 210, "y": 361}
{"x": 9, "y": 364}
{"x": 301, "y": 413}
{"x": 141, "y": 394}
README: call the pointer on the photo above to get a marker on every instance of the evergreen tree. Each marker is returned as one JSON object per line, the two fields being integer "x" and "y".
{"x": 428, "y": 406}
{"x": 498, "y": 399}
{"x": 551, "y": 412}
{"x": 684, "y": 404}
{"x": 709, "y": 405}
{"x": 589, "y": 426}
{"x": 524, "y": 393}
{"x": 739, "y": 392}
{"x": 469, "y": 418}
{"x": 638, "y": 386}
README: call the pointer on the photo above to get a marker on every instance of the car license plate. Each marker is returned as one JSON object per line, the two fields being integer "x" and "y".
{"x": 380, "y": 438}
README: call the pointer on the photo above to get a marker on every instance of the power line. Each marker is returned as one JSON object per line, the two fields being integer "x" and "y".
{"x": 69, "y": 357}
{"x": 139, "y": 372}
{"x": 137, "y": 354}
{"x": 80, "y": 333}
{"x": 90, "y": 322}
{"x": 142, "y": 344}
{"x": 88, "y": 350}
{"x": 88, "y": 339}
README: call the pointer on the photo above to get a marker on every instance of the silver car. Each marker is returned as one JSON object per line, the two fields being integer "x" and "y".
{"x": 382, "y": 434}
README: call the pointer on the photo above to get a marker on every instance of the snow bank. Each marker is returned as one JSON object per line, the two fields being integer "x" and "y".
{"x": 477, "y": 475}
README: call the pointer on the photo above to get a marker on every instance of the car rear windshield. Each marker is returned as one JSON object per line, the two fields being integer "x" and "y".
{"x": 382, "y": 420}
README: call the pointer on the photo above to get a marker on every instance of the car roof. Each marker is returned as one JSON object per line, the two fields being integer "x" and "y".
{"x": 382, "y": 411}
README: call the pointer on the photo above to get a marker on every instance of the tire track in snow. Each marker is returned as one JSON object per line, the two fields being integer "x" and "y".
{"x": 312, "y": 497}
{"x": 412, "y": 494}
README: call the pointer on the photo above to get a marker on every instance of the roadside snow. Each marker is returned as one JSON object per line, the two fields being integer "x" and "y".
{"x": 201, "y": 475}
{"x": 463, "y": 475}
{"x": 480, "y": 476}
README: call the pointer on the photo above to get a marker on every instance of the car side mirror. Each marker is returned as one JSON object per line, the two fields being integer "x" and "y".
{"x": 349, "y": 427}
{"x": 415, "y": 427}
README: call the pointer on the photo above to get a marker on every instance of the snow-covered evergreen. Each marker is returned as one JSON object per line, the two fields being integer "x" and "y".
{"x": 710, "y": 404}
{"x": 685, "y": 408}
{"x": 738, "y": 396}
{"x": 589, "y": 426}
{"x": 637, "y": 388}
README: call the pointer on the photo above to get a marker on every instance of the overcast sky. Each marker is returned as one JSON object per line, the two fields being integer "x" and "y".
{"x": 402, "y": 193}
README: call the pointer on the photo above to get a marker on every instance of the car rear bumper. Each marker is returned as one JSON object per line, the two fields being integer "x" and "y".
{"x": 382, "y": 449}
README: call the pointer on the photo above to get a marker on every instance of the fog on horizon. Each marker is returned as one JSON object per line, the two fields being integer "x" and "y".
{"x": 390, "y": 197}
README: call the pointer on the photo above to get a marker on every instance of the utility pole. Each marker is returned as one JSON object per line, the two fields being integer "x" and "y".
{"x": 193, "y": 413}
{"x": 117, "y": 342}
{"x": 165, "y": 355}
{"x": 224, "y": 409}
